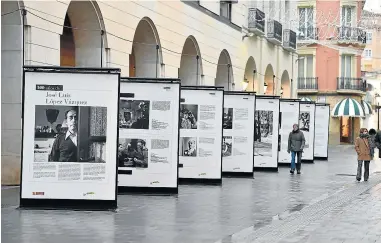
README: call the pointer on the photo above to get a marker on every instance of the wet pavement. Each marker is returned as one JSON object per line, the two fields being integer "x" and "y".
{"x": 238, "y": 208}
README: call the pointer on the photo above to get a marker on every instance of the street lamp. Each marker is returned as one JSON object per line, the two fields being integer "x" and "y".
{"x": 377, "y": 95}
{"x": 265, "y": 87}
{"x": 281, "y": 91}
{"x": 273, "y": 84}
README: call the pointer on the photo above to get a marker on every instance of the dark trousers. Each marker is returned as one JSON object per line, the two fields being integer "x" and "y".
{"x": 366, "y": 170}
{"x": 299, "y": 161}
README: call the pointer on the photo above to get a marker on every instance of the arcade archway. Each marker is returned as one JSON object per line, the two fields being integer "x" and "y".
{"x": 285, "y": 85}
{"x": 191, "y": 63}
{"x": 224, "y": 76}
{"x": 270, "y": 81}
{"x": 146, "y": 57}
{"x": 82, "y": 40}
{"x": 250, "y": 77}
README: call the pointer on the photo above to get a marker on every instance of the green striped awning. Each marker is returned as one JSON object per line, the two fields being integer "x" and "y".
{"x": 305, "y": 99}
{"x": 348, "y": 107}
{"x": 367, "y": 107}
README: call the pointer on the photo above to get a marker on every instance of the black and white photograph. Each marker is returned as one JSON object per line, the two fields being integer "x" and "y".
{"x": 188, "y": 146}
{"x": 228, "y": 118}
{"x": 70, "y": 134}
{"x": 188, "y": 116}
{"x": 227, "y": 146}
{"x": 304, "y": 126}
{"x": 263, "y": 126}
{"x": 132, "y": 153}
{"x": 134, "y": 114}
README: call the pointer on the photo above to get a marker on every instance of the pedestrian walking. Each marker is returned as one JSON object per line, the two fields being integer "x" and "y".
{"x": 362, "y": 147}
{"x": 372, "y": 141}
{"x": 296, "y": 142}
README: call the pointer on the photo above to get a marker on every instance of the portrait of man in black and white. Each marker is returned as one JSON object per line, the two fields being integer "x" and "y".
{"x": 132, "y": 153}
{"x": 65, "y": 146}
{"x": 70, "y": 134}
{"x": 134, "y": 114}
{"x": 188, "y": 146}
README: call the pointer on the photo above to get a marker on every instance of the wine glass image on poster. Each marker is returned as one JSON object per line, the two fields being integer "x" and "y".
{"x": 132, "y": 153}
{"x": 70, "y": 134}
{"x": 228, "y": 118}
{"x": 227, "y": 146}
{"x": 304, "y": 126}
{"x": 188, "y": 116}
{"x": 188, "y": 146}
{"x": 263, "y": 133}
{"x": 134, "y": 114}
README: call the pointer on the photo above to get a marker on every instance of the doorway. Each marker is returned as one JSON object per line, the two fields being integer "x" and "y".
{"x": 346, "y": 130}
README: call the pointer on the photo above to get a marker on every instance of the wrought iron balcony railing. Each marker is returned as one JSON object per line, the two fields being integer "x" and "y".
{"x": 344, "y": 83}
{"x": 274, "y": 31}
{"x": 289, "y": 40}
{"x": 256, "y": 21}
{"x": 308, "y": 83}
{"x": 351, "y": 34}
{"x": 308, "y": 34}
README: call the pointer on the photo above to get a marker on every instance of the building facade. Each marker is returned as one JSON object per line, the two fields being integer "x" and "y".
{"x": 330, "y": 45}
{"x": 239, "y": 45}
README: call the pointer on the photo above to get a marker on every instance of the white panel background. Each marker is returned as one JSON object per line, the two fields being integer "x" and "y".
{"x": 269, "y": 105}
{"x": 321, "y": 131}
{"x": 308, "y": 153}
{"x": 204, "y": 167}
{"x": 158, "y": 174}
{"x": 290, "y": 116}
{"x": 240, "y": 163}
{"x": 97, "y": 90}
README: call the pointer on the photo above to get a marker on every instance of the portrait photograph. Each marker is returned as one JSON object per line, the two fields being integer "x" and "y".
{"x": 132, "y": 153}
{"x": 188, "y": 146}
{"x": 134, "y": 114}
{"x": 188, "y": 116}
{"x": 228, "y": 118}
{"x": 304, "y": 126}
{"x": 70, "y": 134}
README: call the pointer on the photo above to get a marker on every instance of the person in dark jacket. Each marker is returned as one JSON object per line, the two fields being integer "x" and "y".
{"x": 377, "y": 141}
{"x": 296, "y": 142}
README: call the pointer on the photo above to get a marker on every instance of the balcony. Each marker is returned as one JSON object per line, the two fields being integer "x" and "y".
{"x": 349, "y": 34}
{"x": 307, "y": 85}
{"x": 256, "y": 21}
{"x": 274, "y": 31}
{"x": 350, "y": 85}
{"x": 309, "y": 34}
{"x": 289, "y": 40}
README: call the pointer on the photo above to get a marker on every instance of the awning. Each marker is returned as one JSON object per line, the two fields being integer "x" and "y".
{"x": 367, "y": 107}
{"x": 348, "y": 107}
{"x": 305, "y": 99}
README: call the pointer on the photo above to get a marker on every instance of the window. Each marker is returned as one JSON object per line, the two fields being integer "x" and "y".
{"x": 367, "y": 53}
{"x": 346, "y": 66}
{"x": 306, "y": 22}
{"x": 226, "y": 9}
{"x": 369, "y": 36}
{"x": 305, "y": 66}
{"x": 347, "y": 16}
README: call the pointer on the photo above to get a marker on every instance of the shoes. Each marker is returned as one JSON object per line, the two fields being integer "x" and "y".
{"x": 291, "y": 171}
{"x": 298, "y": 172}
{"x": 358, "y": 179}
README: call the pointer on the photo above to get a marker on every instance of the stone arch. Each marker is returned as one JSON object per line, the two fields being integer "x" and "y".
{"x": 146, "y": 56}
{"x": 285, "y": 85}
{"x": 250, "y": 78}
{"x": 191, "y": 63}
{"x": 269, "y": 80}
{"x": 82, "y": 44}
{"x": 224, "y": 76}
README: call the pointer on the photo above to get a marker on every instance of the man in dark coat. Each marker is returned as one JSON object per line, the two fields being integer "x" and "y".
{"x": 296, "y": 142}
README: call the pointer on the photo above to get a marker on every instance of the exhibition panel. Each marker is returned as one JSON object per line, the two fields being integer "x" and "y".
{"x": 148, "y": 135}
{"x": 266, "y": 132}
{"x": 238, "y": 134}
{"x": 288, "y": 116}
{"x": 69, "y": 138}
{"x": 307, "y": 126}
{"x": 322, "y": 118}
{"x": 200, "y": 145}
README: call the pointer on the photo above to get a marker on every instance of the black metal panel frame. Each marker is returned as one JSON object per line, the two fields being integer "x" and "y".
{"x": 77, "y": 204}
{"x": 329, "y": 123}
{"x": 155, "y": 190}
